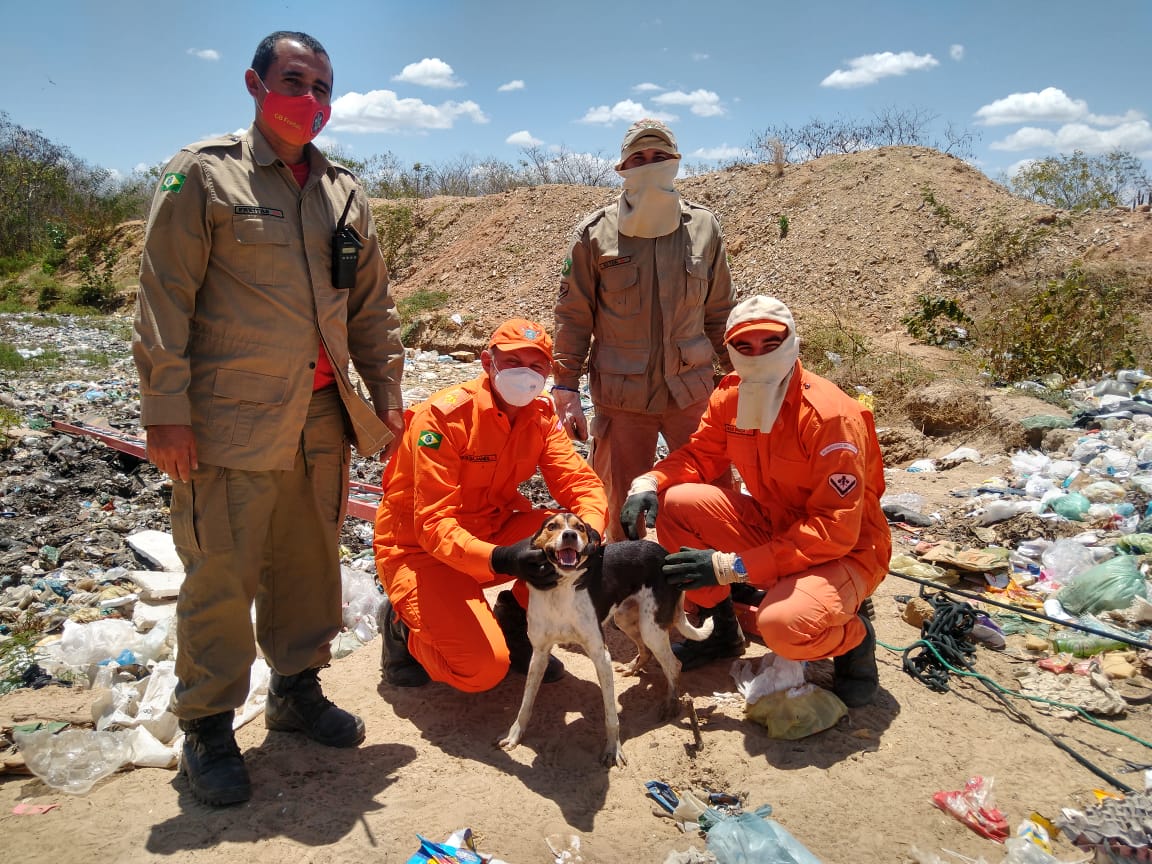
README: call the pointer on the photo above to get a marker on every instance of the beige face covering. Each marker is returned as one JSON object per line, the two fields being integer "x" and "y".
{"x": 649, "y": 206}
{"x": 763, "y": 383}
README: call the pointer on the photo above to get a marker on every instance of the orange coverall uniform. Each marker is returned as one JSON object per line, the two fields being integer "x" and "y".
{"x": 450, "y": 497}
{"x": 809, "y": 528}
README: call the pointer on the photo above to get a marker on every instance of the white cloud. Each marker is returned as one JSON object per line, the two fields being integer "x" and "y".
{"x": 870, "y": 68}
{"x": 1050, "y": 105}
{"x": 647, "y": 87}
{"x": 205, "y": 53}
{"x": 1134, "y": 137}
{"x": 327, "y": 143}
{"x": 626, "y": 110}
{"x": 721, "y": 152}
{"x": 510, "y": 86}
{"x": 382, "y": 111}
{"x": 956, "y": 52}
{"x": 700, "y": 56}
{"x": 702, "y": 103}
{"x": 523, "y": 138}
{"x": 429, "y": 72}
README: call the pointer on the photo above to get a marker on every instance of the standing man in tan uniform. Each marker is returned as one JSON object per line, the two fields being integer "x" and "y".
{"x": 261, "y": 278}
{"x": 645, "y": 293}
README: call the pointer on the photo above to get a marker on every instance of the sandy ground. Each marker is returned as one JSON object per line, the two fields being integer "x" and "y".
{"x": 860, "y": 791}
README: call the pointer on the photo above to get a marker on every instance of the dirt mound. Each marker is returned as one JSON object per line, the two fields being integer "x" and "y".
{"x": 866, "y": 233}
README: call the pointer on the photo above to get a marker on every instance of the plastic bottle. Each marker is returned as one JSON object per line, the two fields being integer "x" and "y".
{"x": 1081, "y": 644}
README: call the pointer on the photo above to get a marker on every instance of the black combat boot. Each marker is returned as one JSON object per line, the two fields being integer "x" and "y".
{"x": 726, "y": 639}
{"x": 296, "y": 704}
{"x": 856, "y": 677}
{"x": 513, "y": 620}
{"x": 399, "y": 667}
{"x": 212, "y": 762}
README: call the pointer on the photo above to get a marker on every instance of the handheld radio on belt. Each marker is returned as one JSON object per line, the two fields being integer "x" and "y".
{"x": 346, "y": 248}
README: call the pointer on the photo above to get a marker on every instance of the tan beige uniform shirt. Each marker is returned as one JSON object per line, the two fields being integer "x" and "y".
{"x": 647, "y": 314}
{"x": 236, "y": 295}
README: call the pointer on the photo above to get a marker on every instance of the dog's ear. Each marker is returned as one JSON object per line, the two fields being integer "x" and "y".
{"x": 595, "y": 541}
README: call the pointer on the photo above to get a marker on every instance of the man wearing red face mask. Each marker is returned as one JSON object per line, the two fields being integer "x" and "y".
{"x": 261, "y": 280}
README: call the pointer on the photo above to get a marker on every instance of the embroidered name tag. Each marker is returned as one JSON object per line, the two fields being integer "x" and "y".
{"x": 478, "y": 457}
{"x": 246, "y": 210}
{"x": 733, "y": 430}
{"x": 604, "y": 265}
{"x": 840, "y": 445}
{"x": 843, "y": 483}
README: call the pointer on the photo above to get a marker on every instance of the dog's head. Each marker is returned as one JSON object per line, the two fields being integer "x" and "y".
{"x": 567, "y": 540}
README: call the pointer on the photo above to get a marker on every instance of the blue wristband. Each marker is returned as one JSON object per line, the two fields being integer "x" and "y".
{"x": 562, "y": 387}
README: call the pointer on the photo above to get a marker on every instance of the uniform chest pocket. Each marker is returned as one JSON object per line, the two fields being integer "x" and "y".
{"x": 621, "y": 289}
{"x": 260, "y": 244}
{"x": 696, "y": 283}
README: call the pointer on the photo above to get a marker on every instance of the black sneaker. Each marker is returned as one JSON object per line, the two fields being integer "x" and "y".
{"x": 296, "y": 704}
{"x": 513, "y": 621}
{"x": 398, "y": 666}
{"x": 857, "y": 679}
{"x": 212, "y": 762}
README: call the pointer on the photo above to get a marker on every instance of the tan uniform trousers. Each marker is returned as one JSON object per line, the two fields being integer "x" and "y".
{"x": 269, "y": 537}
{"x": 804, "y": 616}
{"x": 624, "y": 447}
{"x": 452, "y": 630}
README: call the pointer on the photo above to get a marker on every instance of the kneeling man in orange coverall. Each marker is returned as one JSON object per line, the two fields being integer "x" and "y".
{"x": 452, "y": 520}
{"x": 808, "y": 529}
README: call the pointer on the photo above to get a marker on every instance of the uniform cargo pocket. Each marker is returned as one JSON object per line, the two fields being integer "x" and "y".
{"x": 240, "y": 400}
{"x": 696, "y": 283}
{"x": 200, "y": 522}
{"x": 621, "y": 294}
{"x": 260, "y": 244}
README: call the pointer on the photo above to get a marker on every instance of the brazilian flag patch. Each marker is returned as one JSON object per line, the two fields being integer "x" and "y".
{"x": 428, "y": 438}
{"x": 566, "y": 267}
{"x": 172, "y": 182}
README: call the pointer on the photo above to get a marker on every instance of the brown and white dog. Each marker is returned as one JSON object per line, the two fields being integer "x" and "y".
{"x": 618, "y": 579}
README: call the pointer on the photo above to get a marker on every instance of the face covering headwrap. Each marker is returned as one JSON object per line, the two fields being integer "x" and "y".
{"x": 649, "y": 206}
{"x": 518, "y": 386}
{"x": 296, "y": 119}
{"x": 763, "y": 383}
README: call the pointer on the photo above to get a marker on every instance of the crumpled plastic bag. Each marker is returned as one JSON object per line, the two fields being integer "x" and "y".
{"x": 973, "y": 806}
{"x": 797, "y": 712}
{"x": 1114, "y": 584}
{"x": 74, "y": 760}
{"x": 748, "y": 838}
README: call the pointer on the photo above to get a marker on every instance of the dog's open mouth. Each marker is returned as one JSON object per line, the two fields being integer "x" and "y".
{"x": 567, "y": 555}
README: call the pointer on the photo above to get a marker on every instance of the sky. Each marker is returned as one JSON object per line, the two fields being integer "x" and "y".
{"x": 125, "y": 83}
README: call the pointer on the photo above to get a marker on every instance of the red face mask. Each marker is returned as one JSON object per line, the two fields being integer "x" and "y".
{"x": 296, "y": 119}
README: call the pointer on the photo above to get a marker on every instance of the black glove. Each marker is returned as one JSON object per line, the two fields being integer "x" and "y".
{"x": 690, "y": 568}
{"x": 526, "y": 562}
{"x": 634, "y": 505}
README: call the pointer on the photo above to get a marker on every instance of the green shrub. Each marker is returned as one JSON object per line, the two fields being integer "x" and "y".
{"x": 97, "y": 290}
{"x": 937, "y": 321}
{"x": 1078, "y": 325}
{"x": 396, "y": 224}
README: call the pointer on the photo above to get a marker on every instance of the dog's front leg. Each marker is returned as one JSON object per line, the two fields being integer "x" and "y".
{"x": 613, "y": 752}
{"x": 536, "y": 669}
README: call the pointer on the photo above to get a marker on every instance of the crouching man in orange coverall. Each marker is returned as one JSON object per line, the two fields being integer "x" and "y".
{"x": 453, "y": 522}
{"x": 808, "y": 530}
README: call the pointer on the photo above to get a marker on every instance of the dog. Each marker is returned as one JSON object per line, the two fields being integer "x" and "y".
{"x": 622, "y": 580}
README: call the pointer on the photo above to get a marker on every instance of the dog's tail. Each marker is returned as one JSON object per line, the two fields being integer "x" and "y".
{"x": 696, "y": 634}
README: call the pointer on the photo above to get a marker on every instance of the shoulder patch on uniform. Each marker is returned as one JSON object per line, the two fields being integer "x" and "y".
{"x": 450, "y": 401}
{"x": 429, "y": 439}
{"x": 840, "y": 445}
{"x": 566, "y": 267}
{"x": 843, "y": 483}
{"x": 172, "y": 182}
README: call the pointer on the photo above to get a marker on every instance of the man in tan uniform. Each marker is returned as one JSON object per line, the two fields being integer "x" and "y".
{"x": 244, "y": 329}
{"x": 645, "y": 293}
